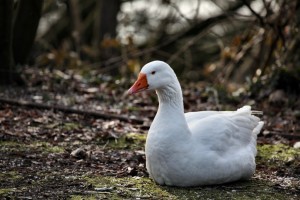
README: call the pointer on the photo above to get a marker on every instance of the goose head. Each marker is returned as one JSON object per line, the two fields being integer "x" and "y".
{"x": 154, "y": 75}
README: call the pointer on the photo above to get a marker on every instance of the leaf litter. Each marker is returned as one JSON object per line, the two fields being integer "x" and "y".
{"x": 45, "y": 153}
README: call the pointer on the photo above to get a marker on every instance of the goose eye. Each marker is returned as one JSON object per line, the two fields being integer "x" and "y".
{"x": 153, "y": 72}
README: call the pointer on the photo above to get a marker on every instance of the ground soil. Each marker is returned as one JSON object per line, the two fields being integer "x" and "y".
{"x": 51, "y": 154}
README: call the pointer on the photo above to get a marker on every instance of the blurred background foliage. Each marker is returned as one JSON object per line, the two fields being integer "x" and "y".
{"x": 236, "y": 44}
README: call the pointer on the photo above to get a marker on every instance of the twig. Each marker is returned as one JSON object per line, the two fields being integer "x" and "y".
{"x": 197, "y": 10}
{"x": 260, "y": 18}
{"x": 186, "y": 46}
{"x": 71, "y": 110}
{"x": 180, "y": 13}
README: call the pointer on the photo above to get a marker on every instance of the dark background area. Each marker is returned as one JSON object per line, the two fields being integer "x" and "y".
{"x": 253, "y": 42}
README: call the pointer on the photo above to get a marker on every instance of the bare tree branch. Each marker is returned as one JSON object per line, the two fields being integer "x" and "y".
{"x": 260, "y": 18}
{"x": 71, "y": 110}
{"x": 173, "y": 5}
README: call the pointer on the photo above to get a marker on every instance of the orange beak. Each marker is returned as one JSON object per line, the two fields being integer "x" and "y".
{"x": 140, "y": 84}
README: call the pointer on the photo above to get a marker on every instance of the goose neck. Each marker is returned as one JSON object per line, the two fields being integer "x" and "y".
{"x": 170, "y": 97}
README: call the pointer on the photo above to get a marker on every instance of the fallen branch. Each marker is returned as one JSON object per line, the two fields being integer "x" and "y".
{"x": 71, "y": 110}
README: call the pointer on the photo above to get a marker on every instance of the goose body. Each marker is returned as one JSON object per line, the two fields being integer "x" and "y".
{"x": 196, "y": 148}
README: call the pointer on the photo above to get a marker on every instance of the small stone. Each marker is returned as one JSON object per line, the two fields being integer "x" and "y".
{"x": 266, "y": 132}
{"x": 79, "y": 153}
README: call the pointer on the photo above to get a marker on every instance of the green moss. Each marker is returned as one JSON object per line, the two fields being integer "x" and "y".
{"x": 45, "y": 147}
{"x": 133, "y": 108}
{"x": 56, "y": 149}
{"x": 79, "y": 197}
{"x": 70, "y": 126}
{"x": 132, "y": 187}
{"x": 7, "y": 143}
{"x": 252, "y": 189}
{"x": 129, "y": 141}
{"x": 9, "y": 176}
{"x": 11, "y": 146}
{"x": 279, "y": 152}
{"x": 127, "y": 187}
{"x": 145, "y": 188}
{"x": 4, "y": 191}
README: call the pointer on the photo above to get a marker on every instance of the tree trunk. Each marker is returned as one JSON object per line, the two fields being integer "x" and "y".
{"x": 7, "y": 69}
{"x": 25, "y": 27}
{"x": 74, "y": 9}
{"x": 108, "y": 18}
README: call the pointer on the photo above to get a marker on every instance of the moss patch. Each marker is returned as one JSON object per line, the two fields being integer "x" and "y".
{"x": 70, "y": 126}
{"x": 12, "y": 176}
{"x": 144, "y": 188}
{"x": 45, "y": 147}
{"x": 278, "y": 152}
{"x": 127, "y": 187}
{"x": 133, "y": 141}
{"x": 278, "y": 156}
{"x": 79, "y": 197}
{"x": 11, "y": 146}
{"x": 4, "y": 191}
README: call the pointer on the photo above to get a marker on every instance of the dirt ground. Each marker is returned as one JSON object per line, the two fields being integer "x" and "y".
{"x": 51, "y": 154}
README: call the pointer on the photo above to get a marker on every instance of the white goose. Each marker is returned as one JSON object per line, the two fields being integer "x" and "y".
{"x": 196, "y": 148}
